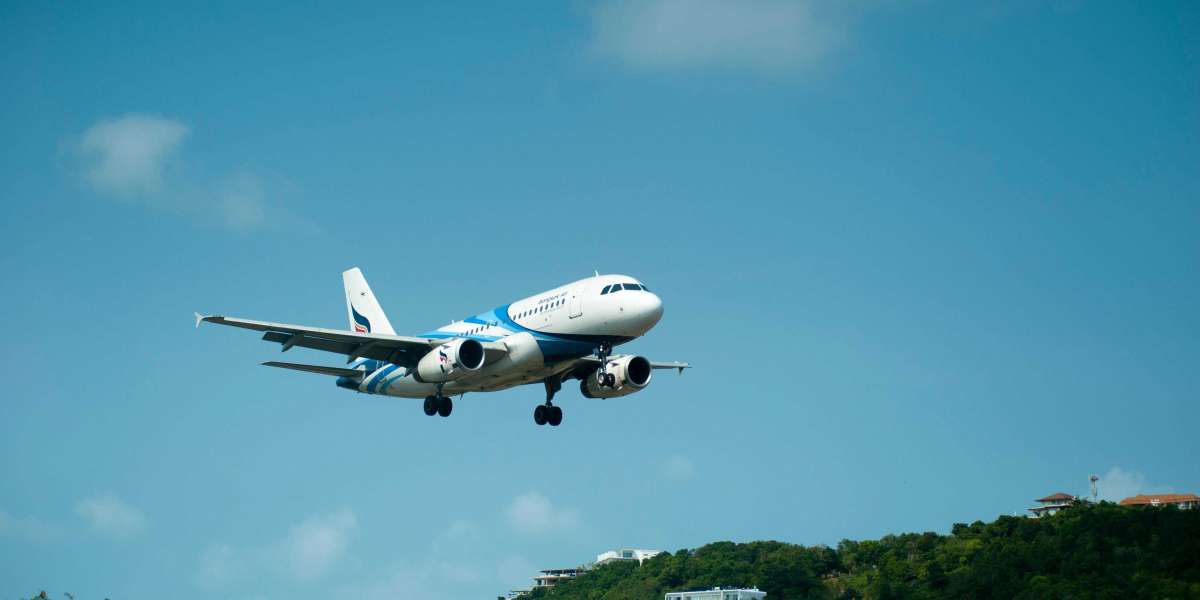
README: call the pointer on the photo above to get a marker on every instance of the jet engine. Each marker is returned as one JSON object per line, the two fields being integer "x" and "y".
{"x": 450, "y": 361}
{"x": 632, "y": 374}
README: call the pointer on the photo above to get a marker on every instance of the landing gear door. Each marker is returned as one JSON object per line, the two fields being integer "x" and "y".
{"x": 576, "y": 305}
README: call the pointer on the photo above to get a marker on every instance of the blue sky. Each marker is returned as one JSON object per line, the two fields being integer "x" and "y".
{"x": 931, "y": 260}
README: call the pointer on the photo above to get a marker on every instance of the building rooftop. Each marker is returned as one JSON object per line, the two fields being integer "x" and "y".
{"x": 638, "y": 554}
{"x": 1057, "y": 497}
{"x": 1159, "y": 499}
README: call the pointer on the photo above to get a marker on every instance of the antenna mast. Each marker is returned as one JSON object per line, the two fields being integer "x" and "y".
{"x": 1094, "y": 479}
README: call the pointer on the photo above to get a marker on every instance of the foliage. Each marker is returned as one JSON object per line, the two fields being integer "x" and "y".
{"x": 1101, "y": 551}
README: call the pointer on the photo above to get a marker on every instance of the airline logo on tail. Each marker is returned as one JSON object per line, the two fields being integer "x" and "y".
{"x": 361, "y": 324}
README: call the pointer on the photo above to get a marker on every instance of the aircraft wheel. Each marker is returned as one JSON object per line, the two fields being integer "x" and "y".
{"x": 610, "y": 380}
{"x": 539, "y": 414}
{"x": 444, "y": 406}
{"x": 431, "y": 405}
{"x": 555, "y": 416}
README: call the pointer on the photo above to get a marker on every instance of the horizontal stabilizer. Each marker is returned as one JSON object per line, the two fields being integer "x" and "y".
{"x": 335, "y": 371}
{"x": 671, "y": 365}
{"x": 653, "y": 364}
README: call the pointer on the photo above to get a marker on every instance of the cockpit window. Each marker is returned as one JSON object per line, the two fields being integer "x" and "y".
{"x": 633, "y": 286}
{"x": 605, "y": 290}
{"x": 644, "y": 288}
{"x": 615, "y": 288}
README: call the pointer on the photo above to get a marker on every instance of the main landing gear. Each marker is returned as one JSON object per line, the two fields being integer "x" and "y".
{"x": 438, "y": 405}
{"x": 548, "y": 412}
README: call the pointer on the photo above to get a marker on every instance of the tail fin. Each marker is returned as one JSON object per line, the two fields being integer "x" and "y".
{"x": 361, "y": 306}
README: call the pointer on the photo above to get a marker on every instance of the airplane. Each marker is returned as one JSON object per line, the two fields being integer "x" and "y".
{"x": 568, "y": 332}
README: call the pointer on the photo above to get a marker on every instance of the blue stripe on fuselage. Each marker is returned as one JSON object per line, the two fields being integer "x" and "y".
{"x": 389, "y": 382}
{"x": 376, "y": 381}
{"x": 554, "y": 346}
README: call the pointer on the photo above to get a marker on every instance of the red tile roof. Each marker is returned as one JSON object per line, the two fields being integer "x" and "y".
{"x": 1058, "y": 497}
{"x": 1159, "y": 499}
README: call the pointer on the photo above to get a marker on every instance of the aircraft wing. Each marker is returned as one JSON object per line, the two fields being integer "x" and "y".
{"x": 396, "y": 349}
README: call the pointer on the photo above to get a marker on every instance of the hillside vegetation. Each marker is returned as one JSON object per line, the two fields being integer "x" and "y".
{"x": 1086, "y": 551}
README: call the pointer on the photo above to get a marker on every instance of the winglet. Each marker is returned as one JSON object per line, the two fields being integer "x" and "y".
{"x": 199, "y": 318}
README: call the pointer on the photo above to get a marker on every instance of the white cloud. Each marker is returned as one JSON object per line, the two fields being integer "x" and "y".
{"x": 309, "y": 550}
{"x": 445, "y": 569}
{"x": 459, "y": 528}
{"x": 109, "y": 515}
{"x": 1118, "y": 484}
{"x": 130, "y": 158}
{"x": 242, "y": 202}
{"x": 430, "y": 580}
{"x": 129, "y": 154}
{"x": 459, "y": 538}
{"x": 677, "y": 467}
{"x": 315, "y": 544}
{"x": 30, "y": 529}
{"x": 532, "y": 512}
{"x": 762, "y": 35}
{"x": 219, "y": 565}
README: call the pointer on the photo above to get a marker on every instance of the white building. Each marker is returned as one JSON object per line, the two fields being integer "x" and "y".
{"x": 552, "y": 577}
{"x": 718, "y": 594}
{"x": 1051, "y": 504}
{"x": 637, "y": 554}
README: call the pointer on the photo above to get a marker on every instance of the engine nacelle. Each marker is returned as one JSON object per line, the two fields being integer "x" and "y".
{"x": 450, "y": 361}
{"x": 632, "y": 374}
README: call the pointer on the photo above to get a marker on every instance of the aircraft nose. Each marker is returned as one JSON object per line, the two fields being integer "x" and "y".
{"x": 654, "y": 306}
{"x": 650, "y": 309}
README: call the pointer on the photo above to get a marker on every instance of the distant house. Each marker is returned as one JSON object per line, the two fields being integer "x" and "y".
{"x": 1183, "y": 501}
{"x": 619, "y": 554}
{"x": 1051, "y": 504}
{"x": 718, "y": 594}
{"x": 552, "y": 577}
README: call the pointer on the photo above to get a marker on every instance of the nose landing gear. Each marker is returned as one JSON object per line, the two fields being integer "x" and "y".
{"x": 603, "y": 377}
{"x": 606, "y": 379}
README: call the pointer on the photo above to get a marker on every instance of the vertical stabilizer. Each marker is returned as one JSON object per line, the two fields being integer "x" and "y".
{"x": 363, "y": 310}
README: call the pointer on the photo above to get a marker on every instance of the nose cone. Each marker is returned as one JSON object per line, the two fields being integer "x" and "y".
{"x": 647, "y": 310}
{"x": 655, "y": 307}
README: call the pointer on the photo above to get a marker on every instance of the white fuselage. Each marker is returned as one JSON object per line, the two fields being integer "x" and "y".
{"x": 545, "y": 334}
